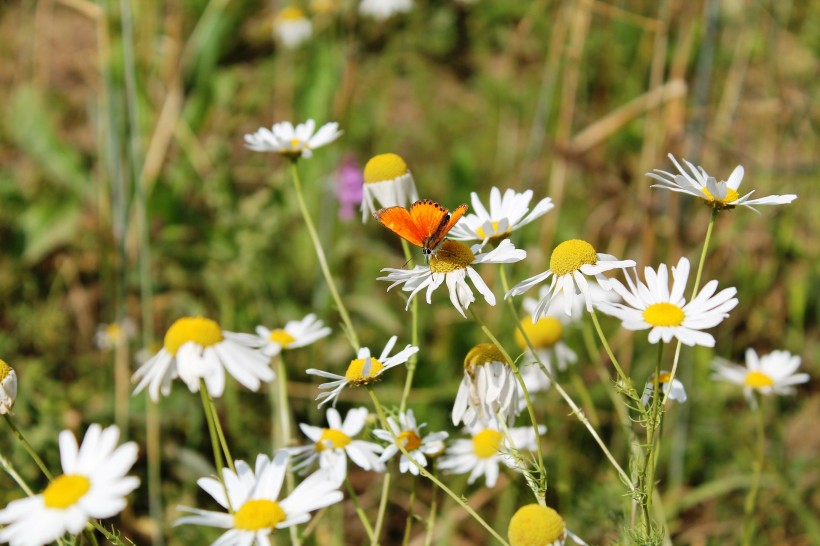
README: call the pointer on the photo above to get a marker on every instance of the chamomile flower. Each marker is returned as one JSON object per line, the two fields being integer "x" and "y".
{"x": 673, "y": 389}
{"x": 570, "y": 264}
{"x": 363, "y": 370}
{"x": 481, "y": 455}
{"x": 652, "y": 306}
{"x": 507, "y": 214}
{"x": 451, "y": 263}
{"x": 332, "y": 446}
{"x": 295, "y": 334}
{"x": 8, "y": 388}
{"x": 547, "y": 332}
{"x": 93, "y": 485}
{"x": 292, "y": 27}
{"x": 115, "y": 334}
{"x": 489, "y": 388}
{"x": 536, "y": 525}
{"x": 197, "y": 348}
{"x": 719, "y": 195}
{"x": 384, "y": 9}
{"x": 387, "y": 183}
{"x": 293, "y": 142}
{"x": 253, "y": 499}
{"x": 767, "y": 374}
{"x": 407, "y": 434}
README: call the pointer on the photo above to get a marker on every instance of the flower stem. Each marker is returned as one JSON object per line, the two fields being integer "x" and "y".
{"x": 219, "y": 432}
{"x": 627, "y": 384}
{"x": 426, "y": 473}
{"x": 320, "y": 254}
{"x": 6, "y": 464}
{"x": 431, "y": 520}
{"x": 751, "y": 497}
{"x": 209, "y": 416}
{"x": 408, "y": 525}
{"x": 414, "y": 335}
{"x": 285, "y": 433}
{"x": 647, "y": 475}
{"x": 377, "y": 530}
{"x": 30, "y": 450}
{"x": 359, "y": 510}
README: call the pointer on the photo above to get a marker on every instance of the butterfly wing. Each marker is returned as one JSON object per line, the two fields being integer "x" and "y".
{"x": 429, "y": 217}
{"x": 401, "y": 222}
{"x": 446, "y": 224}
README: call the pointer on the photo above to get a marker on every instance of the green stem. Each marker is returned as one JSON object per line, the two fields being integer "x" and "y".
{"x": 209, "y": 416}
{"x": 751, "y": 497}
{"x": 408, "y": 524}
{"x": 647, "y": 475}
{"x": 6, "y": 464}
{"x": 359, "y": 510}
{"x": 424, "y": 472}
{"x": 285, "y": 433}
{"x": 627, "y": 384}
{"x": 414, "y": 335}
{"x": 431, "y": 520}
{"x": 219, "y": 432}
{"x": 320, "y": 254}
{"x": 30, "y": 450}
{"x": 377, "y": 531}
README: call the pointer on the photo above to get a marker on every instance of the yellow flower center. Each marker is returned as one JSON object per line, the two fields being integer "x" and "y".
{"x": 758, "y": 380}
{"x": 356, "y": 369}
{"x": 258, "y": 514}
{"x": 384, "y": 167}
{"x": 494, "y": 235}
{"x": 535, "y": 525}
{"x": 65, "y": 490}
{"x": 543, "y": 334}
{"x": 281, "y": 337}
{"x": 487, "y": 443}
{"x": 664, "y": 377}
{"x": 451, "y": 256}
{"x": 409, "y": 439}
{"x": 5, "y": 369}
{"x": 290, "y": 14}
{"x": 114, "y": 333}
{"x": 204, "y": 332}
{"x": 481, "y": 354}
{"x": 731, "y": 195}
{"x": 663, "y": 314}
{"x": 570, "y": 255}
{"x": 335, "y": 436}
{"x": 323, "y": 6}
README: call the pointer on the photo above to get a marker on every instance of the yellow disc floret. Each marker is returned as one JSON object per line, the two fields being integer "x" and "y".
{"x": 664, "y": 377}
{"x": 758, "y": 380}
{"x": 384, "y": 168}
{"x": 281, "y": 337}
{"x": 731, "y": 196}
{"x": 535, "y": 525}
{"x": 290, "y": 13}
{"x": 451, "y": 256}
{"x": 204, "y": 332}
{"x": 409, "y": 440}
{"x": 5, "y": 369}
{"x": 482, "y": 354}
{"x": 65, "y": 490}
{"x": 570, "y": 255}
{"x": 258, "y": 514}
{"x": 495, "y": 233}
{"x": 663, "y": 314}
{"x": 355, "y": 373}
{"x": 487, "y": 443}
{"x": 544, "y": 334}
{"x": 334, "y": 437}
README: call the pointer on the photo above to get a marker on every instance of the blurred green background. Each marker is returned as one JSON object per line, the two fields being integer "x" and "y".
{"x": 121, "y": 148}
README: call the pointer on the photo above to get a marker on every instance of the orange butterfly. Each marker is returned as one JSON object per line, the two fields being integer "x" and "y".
{"x": 425, "y": 224}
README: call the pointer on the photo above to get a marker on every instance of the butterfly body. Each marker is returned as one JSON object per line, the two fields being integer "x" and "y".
{"x": 425, "y": 224}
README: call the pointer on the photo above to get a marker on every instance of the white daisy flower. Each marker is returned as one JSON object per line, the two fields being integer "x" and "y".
{"x": 720, "y": 195}
{"x": 570, "y": 264}
{"x": 363, "y": 370}
{"x": 295, "y": 334}
{"x": 673, "y": 390}
{"x": 489, "y": 387}
{"x": 8, "y": 388}
{"x": 767, "y": 374}
{"x": 93, "y": 485}
{"x": 452, "y": 263}
{"x": 294, "y": 142}
{"x": 384, "y": 9}
{"x": 408, "y": 434}
{"x": 541, "y": 525}
{"x": 652, "y": 305}
{"x": 547, "y": 332}
{"x": 388, "y": 183}
{"x": 333, "y": 445}
{"x": 507, "y": 214}
{"x": 115, "y": 334}
{"x": 292, "y": 27}
{"x": 254, "y": 500}
{"x": 197, "y": 348}
{"x": 481, "y": 455}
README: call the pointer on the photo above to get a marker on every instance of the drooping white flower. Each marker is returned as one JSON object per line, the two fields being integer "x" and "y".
{"x": 452, "y": 264}
{"x": 197, "y": 348}
{"x": 294, "y": 142}
{"x": 673, "y": 389}
{"x": 507, "y": 213}
{"x": 292, "y": 27}
{"x": 8, "y": 388}
{"x": 720, "y": 195}
{"x": 408, "y": 434}
{"x": 93, "y": 485}
{"x": 295, "y": 334}
{"x": 488, "y": 389}
{"x": 387, "y": 183}
{"x": 773, "y": 373}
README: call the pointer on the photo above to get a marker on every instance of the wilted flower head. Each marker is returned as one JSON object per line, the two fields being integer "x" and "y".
{"x": 8, "y": 388}
{"x": 488, "y": 388}
{"x": 291, "y": 27}
{"x": 672, "y": 388}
